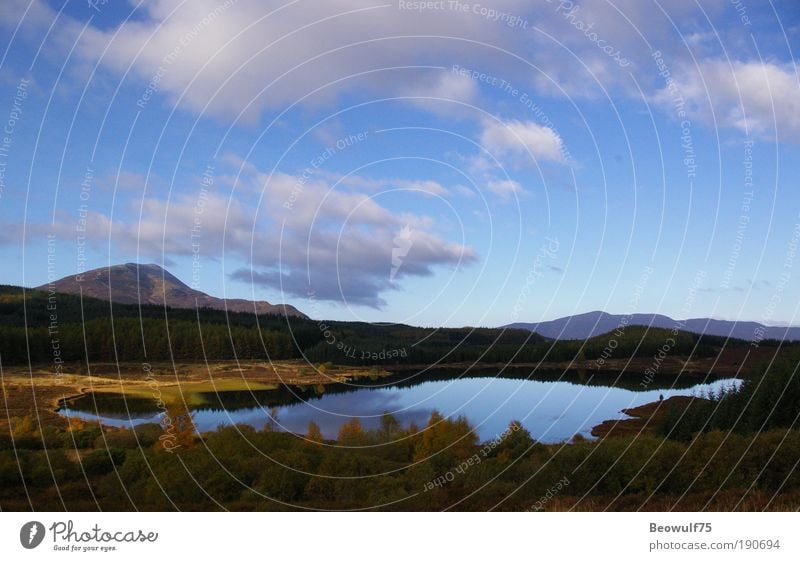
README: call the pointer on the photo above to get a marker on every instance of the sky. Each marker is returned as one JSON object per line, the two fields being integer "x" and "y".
{"x": 433, "y": 163}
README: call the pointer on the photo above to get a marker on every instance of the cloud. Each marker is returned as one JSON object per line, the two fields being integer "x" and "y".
{"x": 238, "y": 58}
{"x": 760, "y": 98}
{"x": 301, "y": 202}
{"x": 339, "y": 243}
{"x": 131, "y": 181}
{"x": 427, "y": 187}
{"x": 588, "y": 49}
{"x": 363, "y": 183}
{"x": 749, "y": 285}
{"x": 464, "y": 191}
{"x": 207, "y": 225}
{"x": 354, "y": 268}
{"x": 449, "y": 86}
{"x": 445, "y": 94}
{"x": 505, "y": 188}
{"x": 304, "y": 235}
{"x": 522, "y": 138}
{"x": 242, "y": 58}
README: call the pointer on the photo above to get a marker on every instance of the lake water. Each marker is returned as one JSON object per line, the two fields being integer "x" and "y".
{"x": 552, "y": 410}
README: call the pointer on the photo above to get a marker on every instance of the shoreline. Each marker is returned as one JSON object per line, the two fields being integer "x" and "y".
{"x": 39, "y": 393}
{"x": 643, "y": 418}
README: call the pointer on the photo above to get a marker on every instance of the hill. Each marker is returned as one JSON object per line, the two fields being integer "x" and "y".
{"x": 591, "y": 324}
{"x": 134, "y": 283}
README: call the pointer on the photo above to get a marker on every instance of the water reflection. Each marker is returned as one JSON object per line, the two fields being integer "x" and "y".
{"x": 552, "y": 410}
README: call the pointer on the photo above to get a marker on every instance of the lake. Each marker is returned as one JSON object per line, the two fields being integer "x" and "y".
{"x": 553, "y": 410}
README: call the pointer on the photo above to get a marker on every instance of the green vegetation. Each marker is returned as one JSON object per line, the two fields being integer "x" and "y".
{"x": 50, "y": 327}
{"x": 742, "y": 455}
{"x": 61, "y": 326}
{"x": 390, "y": 468}
{"x": 769, "y": 400}
{"x": 65, "y": 322}
{"x": 736, "y": 450}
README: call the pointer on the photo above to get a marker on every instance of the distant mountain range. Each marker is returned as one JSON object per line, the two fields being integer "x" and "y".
{"x": 134, "y": 283}
{"x": 583, "y": 326}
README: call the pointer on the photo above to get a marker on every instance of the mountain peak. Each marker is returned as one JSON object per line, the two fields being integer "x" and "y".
{"x": 150, "y": 283}
{"x": 591, "y": 324}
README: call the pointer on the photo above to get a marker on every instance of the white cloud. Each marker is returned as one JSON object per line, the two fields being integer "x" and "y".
{"x": 363, "y": 183}
{"x": 762, "y": 98}
{"x": 304, "y": 231}
{"x": 449, "y": 86}
{"x": 446, "y": 93}
{"x": 240, "y": 58}
{"x": 464, "y": 191}
{"x": 522, "y": 138}
{"x": 428, "y": 187}
{"x": 356, "y": 181}
{"x": 505, "y": 188}
{"x": 249, "y": 57}
{"x": 341, "y": 242}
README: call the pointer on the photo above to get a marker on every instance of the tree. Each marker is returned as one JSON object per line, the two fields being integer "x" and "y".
{"x": 444, "y": 443}
{"x": 313, "y": 432}
{"x": 389, "y": 428}
{"x": 516, "y": 443}
{"x": 352, "y": 433}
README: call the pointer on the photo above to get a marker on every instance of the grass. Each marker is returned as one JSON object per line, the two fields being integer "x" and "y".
{"x": 189, "y": 393}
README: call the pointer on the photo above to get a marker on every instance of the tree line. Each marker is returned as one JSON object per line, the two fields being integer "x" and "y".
{"x": 37, "y": 327}
{"x": 441, "y": 465}
{"x": 769, "y": 399}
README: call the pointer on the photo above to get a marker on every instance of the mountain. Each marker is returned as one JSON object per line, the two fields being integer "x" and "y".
{"x": 134, "y": 283}
{"x": 590, "y": 324}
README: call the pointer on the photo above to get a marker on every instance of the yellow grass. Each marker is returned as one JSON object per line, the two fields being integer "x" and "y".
{"x": 189, "y": 393}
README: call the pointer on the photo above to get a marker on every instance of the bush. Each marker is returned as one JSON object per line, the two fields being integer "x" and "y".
{"x": 100, "y": 462}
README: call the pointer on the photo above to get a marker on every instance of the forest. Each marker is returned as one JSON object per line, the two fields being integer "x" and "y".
{"x": 735, "y": 451}
{"x": 37, "y": 328}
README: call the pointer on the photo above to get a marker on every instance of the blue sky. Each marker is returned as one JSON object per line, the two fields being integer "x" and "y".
{"x": 437, "y": 164}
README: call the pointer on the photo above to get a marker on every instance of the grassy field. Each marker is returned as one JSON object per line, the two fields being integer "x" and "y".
{"x": 37, "y": 392}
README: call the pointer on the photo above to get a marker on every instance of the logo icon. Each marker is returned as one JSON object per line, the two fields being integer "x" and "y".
{"x": 31, "y": 534}
{"x": 402, "y": 244}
